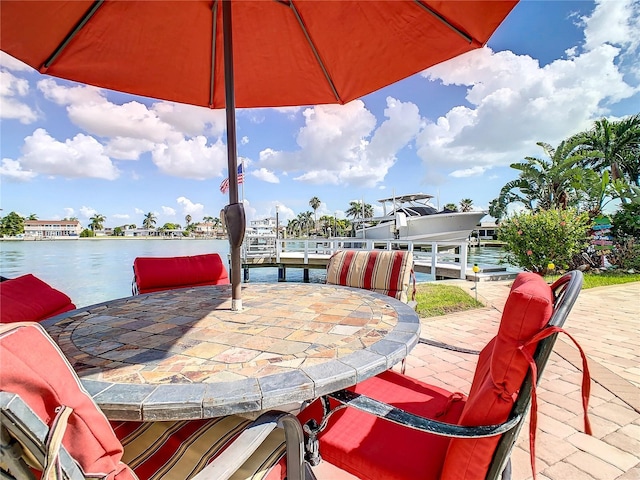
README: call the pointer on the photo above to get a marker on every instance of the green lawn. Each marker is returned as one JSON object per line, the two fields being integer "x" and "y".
{"x": 434, "y": 299}
{"x": 592, "y": 280}
{"x": 437, "y": 299}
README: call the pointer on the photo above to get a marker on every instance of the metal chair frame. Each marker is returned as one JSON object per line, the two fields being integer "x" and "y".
{"x": 566, "y": 291}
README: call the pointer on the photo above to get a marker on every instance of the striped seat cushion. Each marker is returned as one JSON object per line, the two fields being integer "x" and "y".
{"x": 383, "y": 271}
{"x": 179, "y": 450}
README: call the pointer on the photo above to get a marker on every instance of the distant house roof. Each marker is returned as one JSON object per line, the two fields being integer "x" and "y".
{"x": 34, "y": 223}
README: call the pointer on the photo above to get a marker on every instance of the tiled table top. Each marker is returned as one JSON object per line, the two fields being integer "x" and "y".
{"x": 184, "y": 354}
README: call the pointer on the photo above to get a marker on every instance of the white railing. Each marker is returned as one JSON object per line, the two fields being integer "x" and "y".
{"x": 432, "y": 254}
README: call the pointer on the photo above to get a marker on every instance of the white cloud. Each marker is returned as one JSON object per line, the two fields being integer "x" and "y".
{"x": 127, "y": 148}
{"x": 87, "y": 212}
{"x": 12, "y": 170}
{"x": 121, "y": 216}
{"x": 468, "y": 172}
{"x": 81, "y": 156}
{"x": 514, "y": 102}
{"x": 191, "y": 120}
{"x": 168, "y": 211}
{"x": 192, "y": 158}
{"x": 244, "y": 140}
{"x": 11, "y": 63}
{"x": 249, "y": 211}
{"x": 132, "y": 129}
{"x": 12, "y": 108}
{"x": 139, "y": 211}
{"x": 265, "y": 175}
{"x": 284, "y": 213}
{"x": 190, "y": 208}
{"x": 69, "y": 212}
{"x": 616, "y": 22}
{"x": 341, "y": 145}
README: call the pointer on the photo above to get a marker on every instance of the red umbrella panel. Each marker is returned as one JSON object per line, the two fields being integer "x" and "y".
{"x": 284, "y": 52}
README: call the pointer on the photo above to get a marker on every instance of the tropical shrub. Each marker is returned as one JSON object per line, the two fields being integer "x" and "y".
{"x": 536, "y": 240}
{"x": 625, "y": 254}
{"x": 626, "y": 221}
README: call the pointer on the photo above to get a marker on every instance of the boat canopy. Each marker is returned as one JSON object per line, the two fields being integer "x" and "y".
{"x": 407, "y": 198}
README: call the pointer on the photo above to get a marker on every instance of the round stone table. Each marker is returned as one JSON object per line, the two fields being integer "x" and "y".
{"x": 183, "y": 354}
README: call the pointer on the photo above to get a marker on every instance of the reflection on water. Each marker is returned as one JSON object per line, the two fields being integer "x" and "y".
{"x": 93, "y": 271}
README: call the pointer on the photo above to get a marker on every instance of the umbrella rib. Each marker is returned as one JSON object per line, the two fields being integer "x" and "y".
{"x": 431, "y": 11}
{"x": 315, "y": 51}
{"x": 85, "y": 18}
{"x": 214, "y": 28}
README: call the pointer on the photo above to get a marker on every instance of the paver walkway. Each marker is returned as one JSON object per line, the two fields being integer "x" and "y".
{"x": 606, "y": 323}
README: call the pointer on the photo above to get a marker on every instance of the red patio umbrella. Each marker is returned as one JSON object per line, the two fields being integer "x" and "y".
{"x": 284, "y": 52}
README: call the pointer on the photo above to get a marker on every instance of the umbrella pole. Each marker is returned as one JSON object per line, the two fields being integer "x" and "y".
{"x": 236, "y": 232}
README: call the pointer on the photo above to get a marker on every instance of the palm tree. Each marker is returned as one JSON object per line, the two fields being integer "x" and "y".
{"x": 293, "y": 226}
{"x": 187, "y": 219}
{"x": 33, "y": 216}
{"x": 149, "y": 221}
{"x": 97, "y": 222}
{"x": 315, "y": 204}
{"x": 355, "y": 210}
{"x": 305, "y": 219}
{"x": 544, "y": 184}
{"x": 614, "y": 146}
{"x": 452, "y": 207}
{"x": 466, "y": 205}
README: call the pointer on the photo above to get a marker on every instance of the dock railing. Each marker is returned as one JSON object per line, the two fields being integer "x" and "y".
{"x": 428, "y": 256}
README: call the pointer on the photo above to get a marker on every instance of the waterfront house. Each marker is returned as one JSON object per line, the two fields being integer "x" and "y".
{"x": 52, "y": 229}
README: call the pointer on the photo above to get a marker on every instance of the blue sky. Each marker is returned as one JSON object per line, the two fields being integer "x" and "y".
{"x": 549, "y": 71}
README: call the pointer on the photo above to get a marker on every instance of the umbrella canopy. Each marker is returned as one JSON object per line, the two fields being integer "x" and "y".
{"x": 285, "y": 52}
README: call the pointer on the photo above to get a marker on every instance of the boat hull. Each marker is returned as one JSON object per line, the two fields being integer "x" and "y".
{"x": 454, "y": 227}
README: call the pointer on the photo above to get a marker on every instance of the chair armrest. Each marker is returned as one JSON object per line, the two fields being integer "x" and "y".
{"x": 234, "y": 456}
{"x": 402, "y": 417}
{"x": 18, "y": 421}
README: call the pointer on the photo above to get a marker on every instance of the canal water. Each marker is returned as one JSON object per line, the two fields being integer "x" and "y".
{"x": 95, "y": 270}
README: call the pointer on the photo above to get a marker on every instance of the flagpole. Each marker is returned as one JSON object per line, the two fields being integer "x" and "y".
{"x": 243, "y": 179}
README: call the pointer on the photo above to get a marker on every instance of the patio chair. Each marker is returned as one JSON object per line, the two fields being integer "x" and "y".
{"x": 395, "y": 427}
{"x": 384, "y": 271}
{"x": 29, "y": 299}
{"x": 51, "y": 429}
{"x": 153, "y": 274}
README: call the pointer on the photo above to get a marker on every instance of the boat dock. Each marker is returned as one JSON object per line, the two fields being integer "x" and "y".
{"x": 443, "y": 260}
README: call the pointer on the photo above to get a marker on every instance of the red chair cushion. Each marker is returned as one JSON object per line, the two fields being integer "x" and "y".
{"x": 34, "y": 368}
{"x": 153, "y": 274}
{"x": 501, "y": 371}
{"x": 376, "y": 449}
{"x": 29, "y": 299}
{"x": 383, "y": 271}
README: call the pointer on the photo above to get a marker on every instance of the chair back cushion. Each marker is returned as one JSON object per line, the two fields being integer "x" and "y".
{"x": 166, "y": 273}
{"x": 34, "y": 368}
{"x": 500, "y": 372}
{"x": 383, "y": 271}
{"x": 29, "y": 299}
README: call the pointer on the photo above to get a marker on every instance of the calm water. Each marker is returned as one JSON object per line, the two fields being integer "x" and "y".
{"x": 93, "y": 271}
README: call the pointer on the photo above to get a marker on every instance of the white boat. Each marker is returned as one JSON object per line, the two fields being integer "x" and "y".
{"x": 411, "y": 218}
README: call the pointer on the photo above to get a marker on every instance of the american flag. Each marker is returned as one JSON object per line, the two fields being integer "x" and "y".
{"x": 224, "y": 186}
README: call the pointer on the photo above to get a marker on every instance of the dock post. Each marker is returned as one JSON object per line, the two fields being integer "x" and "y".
{"x": 246, "y": 275}
{"x": 282, "y": 274}
{"x": 305, "y": 275}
